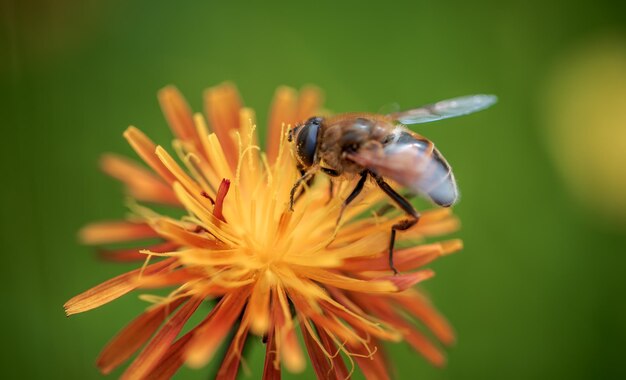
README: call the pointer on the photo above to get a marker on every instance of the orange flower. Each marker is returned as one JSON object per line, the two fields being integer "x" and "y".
{"x": 269, "y": 270}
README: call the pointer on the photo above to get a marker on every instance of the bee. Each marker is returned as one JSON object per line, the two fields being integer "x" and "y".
{"x": 367, "y": 145}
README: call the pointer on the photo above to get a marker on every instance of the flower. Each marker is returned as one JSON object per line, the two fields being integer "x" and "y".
{"x": 270, "y": 271}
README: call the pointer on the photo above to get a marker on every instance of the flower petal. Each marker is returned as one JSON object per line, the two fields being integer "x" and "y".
{"x": 338, "y": 365}
{"x": 134, "y": 254}
{"x": 418, "y": 306}
{"x": 386, "y": 284}
{"x": 179, "y": 276}
{"x": 158, "y": 346}
{"x": 406, "y": 280}
{"x": 339, "y": 328}
{"x": 112, "y": 289}
{"x": 372, "y": 363}
{"x": 259, "y": 304}
{"x": 208, "y": 337}
{"x": 181, "y": 177}
{"x": 403, "y": 259}
{"x": 288, "y": 344}
{"x": 171, "y": 361}
{"x": 140, "y": 182}
{"x": 282, "y": 114}
{"x": 417, "y": 340}
{"x": 232, "y": 359}
{"x": 362, "y": 321}
{"x": 145, "y": 148}
{"x": 319, "y": 358}
{"x": 177, "y": 113}
{"x": 115, "y": 232}
{"x": 309, "y": 102}
{"x": 180, "y": 234}
{"x": 271, "y": 367}
{"x": 133, "y": 336}
{"x": 222, "y": 231}
{"x": 222, "y": 106}
{"x": 421, "y": 344}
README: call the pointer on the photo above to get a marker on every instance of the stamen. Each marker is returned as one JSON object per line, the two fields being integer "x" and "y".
{"x": 219, "y": 201}
{"x": 206, "y": 195}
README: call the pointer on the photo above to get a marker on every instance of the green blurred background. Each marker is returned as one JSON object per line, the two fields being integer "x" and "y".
{"x": 538, "y": 291}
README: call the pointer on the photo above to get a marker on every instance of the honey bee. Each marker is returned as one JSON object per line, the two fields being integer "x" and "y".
{"x": 366, "y": 145}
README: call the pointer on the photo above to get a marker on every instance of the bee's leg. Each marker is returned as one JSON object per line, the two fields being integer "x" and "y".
{"x": 402, "y": 225}
{"x": 308, "y": 182}
{"x": 357, "y": 190}
{"x": 307, "y": 176}
{"x": 331, "y": 173}
{"x": 388, "y": 207}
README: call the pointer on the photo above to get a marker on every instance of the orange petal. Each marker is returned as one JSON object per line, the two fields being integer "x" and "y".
{"x": 259, "y": 305}
{"x": 208, "y": 337}
{"x": 362, "y": 322}
{"x": 385, "y": 284}
{"x": 171, "y": 361}
{"x": 338, "y": 365}
{"x": 222, "y": 105}
{"x": 290, "y": 351}
{"x": 319, "y": 358}
{"x": 177, "y": 113}
{"x": 145, "y": 148}
{"x": 271, "y": 368}
{"x": 181, "y": 176}
{"x": 425, "y": 347}
{"x": 416, "y": 339}
{"x": 330, "y": 322}
{"x": 344, "y": 282}
{"x": 309, "y": 102}
{"x": 440, "y": 225}
{"x": 175, "y": 277}
{"x": 373, "y": 365}
{"x": 159, "y": 345}
{"x": 406, "y": 280}
{"x": 133, "y": 254}
{"x": 115, "y": 232}
{"x": 418, "y": 306}
{"x": 403, "y": 259}
{"x": 140, "y": 182}
{"x": 222, "y": 231}
{"x": 230, "y": 365}
{"x": 283, "y": 113}
{"x": 179, "y": 234}
{"x": 112, "y": 289}
{"x": 133, "y": 336}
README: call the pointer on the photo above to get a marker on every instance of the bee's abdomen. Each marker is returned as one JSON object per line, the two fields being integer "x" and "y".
{"x": 438, "y": 181}
{"x": 432, "y": 175}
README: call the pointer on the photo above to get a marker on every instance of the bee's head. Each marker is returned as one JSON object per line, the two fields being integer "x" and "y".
{"x": 306, "y": 136}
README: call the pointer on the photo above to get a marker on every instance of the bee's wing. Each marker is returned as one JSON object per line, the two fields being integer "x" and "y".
{"x": 417, "y": 166}
{"x": 445, "y": 109}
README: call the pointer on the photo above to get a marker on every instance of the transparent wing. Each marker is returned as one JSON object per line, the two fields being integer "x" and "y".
{"x": 445, "y": 109}
{"x": 389, "y": 108}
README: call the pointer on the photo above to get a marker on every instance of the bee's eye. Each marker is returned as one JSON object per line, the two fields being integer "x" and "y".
{"x": 306, "y": 141}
